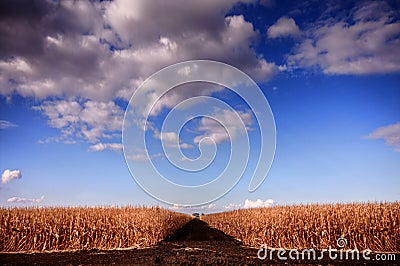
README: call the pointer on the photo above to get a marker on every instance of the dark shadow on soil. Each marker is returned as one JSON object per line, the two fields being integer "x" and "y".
{"x": 197, "y": 230}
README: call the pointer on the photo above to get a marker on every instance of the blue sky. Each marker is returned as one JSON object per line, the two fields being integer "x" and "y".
{"x": 330, "y": 71}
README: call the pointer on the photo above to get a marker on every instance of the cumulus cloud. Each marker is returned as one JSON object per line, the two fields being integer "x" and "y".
{"x": 284, "y": 27}
{"x": 9, "y": 175}
{"x": 102, "y": 51}
{"x": 106, "y": 146}
{"x": 390, "y": 134}
{"x": 365, "y": 43}
{"x": 258, "y": 203}
{"x": 178, "y": 95}
{"x": 4, "y": 124}
{"x": 216, "y": 131}
{"x": 90, "y": 121}
{"x": 24, "y": 200}
{"x": 171, "y": 140}
{"x": 93, "y": 53}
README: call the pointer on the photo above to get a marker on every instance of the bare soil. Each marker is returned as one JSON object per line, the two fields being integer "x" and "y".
{"x": 194, "y": 244}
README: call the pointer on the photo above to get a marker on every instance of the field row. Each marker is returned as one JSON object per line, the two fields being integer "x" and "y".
{"x": 27, "y": 229}
{"x": 374, "y": 226}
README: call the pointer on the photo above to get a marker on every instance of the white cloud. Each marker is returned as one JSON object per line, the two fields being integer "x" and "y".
{"x": 390, "y": 134}
{"x": 100, "y": 119}
{"x": 75, "y": 60}
{"x": 185, "y": 146}
{"x": 211, "y": 206}
{"x": 4, "y": 124}
{"x": 171, "y": 140}
{"x": 106, "y": 146}
{"x": 91, "y": 121}
{"x": 24, "y": 200}
{"x": 203, "y": 208}
{"x": 168, "y": 136}
{"x": 138, "y": 157}
{"x": 95, "y": 53}
{"x": 258, "y": 203}
{"x": 61, "y": 113}
{"x": 232, "y": 206}
{"x": 367, "y": 44}
{"x": 283, "y": 27}
{"x": 142, "y": 156}
{"x": 175, "y": 206}
{"x": 9, "y": 175}
{"x": 177, "y": 95}
{"x": 214, "y": 130}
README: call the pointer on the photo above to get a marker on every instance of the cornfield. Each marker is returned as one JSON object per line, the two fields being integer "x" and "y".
{"x": 374, "y": 226}
{"x": 42, "y": 229}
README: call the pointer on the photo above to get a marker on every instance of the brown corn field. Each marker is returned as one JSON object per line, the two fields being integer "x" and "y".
{"x": 374, "y": 226}
{"x": 42, "y": 229}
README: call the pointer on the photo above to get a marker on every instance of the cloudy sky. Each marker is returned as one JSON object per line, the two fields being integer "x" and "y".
{"x": 329, "y": 69}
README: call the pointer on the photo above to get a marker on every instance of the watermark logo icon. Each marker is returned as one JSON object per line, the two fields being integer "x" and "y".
{"x": 341, "y": 242}
{"x": 218, "y": 118}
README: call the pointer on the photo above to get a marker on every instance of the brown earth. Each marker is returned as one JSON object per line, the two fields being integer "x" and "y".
{"x": 194, "y": 244}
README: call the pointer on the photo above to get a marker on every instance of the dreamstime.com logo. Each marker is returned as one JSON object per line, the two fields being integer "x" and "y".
{"x": 140, "y": 132}
{"x": 266, "y": 252}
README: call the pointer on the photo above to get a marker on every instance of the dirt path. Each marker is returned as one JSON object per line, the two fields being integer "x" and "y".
{"x": 194, "y": 244}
